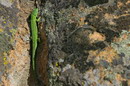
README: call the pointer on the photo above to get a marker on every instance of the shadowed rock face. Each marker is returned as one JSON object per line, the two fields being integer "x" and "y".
{"x": 95, "y": 2}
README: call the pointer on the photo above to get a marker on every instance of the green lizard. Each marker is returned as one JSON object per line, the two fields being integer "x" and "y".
{"x": 34, "y": 32}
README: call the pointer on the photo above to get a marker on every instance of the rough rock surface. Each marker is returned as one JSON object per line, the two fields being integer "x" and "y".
{"x": 88, "y": 40}
{"x": 88, "y": 43}
{"x": 14, "y": 43}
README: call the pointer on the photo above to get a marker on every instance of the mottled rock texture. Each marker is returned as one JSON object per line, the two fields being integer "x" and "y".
{"x": 89, "y": 38}
{"x": 87, "y": 43}
{"x": 14, "y": 43}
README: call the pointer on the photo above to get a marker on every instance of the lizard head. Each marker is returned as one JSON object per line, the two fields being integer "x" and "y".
{"x": 35, "y": 11}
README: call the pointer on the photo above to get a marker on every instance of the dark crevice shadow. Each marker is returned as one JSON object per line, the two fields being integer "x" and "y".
{"x": 95, "y": 2}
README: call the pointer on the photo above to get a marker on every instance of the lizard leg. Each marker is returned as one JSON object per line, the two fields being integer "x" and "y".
{"x": 38, "y": 19}
{"x": 38, "y": 39}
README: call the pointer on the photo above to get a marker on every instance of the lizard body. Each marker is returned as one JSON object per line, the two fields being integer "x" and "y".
{"x": 34, "y": 34}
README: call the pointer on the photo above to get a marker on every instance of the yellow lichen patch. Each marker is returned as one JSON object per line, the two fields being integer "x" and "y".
{"x": 108, "y": 54}
{"x": 1, "y": 30}
{"x": 5, "y": 61}
{"x": 4, "y": 22}
{"x": 4, "y": 58}
{"x": 13, "y": 31}
{"x": 10, "y": 25}
{"x": 11, "y": 1}
{"x": 96, "y": 37}
{"x": 56, "y": 64}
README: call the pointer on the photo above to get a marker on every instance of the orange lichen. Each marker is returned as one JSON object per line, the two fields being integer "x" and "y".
{"x": 5, "y": 82}
{"x": 128, "y": 82}
{"x": 119, "y": 77}
{"x": 128, "y": 2}
{"x": 120, "y": 4}
{"x": 102, "y": 73}
{"x": 96, "y": 37}
{"x": 108, "y": 54}
{"x": 93, "y": 53}
{"x": 109, "y": 18}
{"x": 81, "y": 23}
{"x": 20, "y": 47}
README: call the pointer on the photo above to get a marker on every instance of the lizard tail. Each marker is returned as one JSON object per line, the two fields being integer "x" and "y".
{"x": 33, "y": 62}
